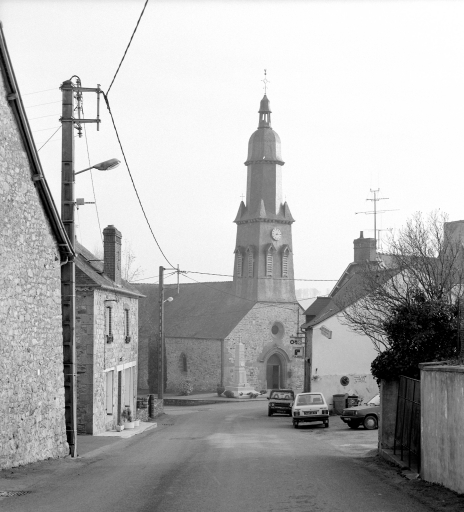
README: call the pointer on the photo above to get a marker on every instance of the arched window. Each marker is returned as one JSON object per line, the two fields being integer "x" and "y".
{"x": 285, "y": 253}
{"x": 251, "y": 259}
{"x": 270, "y": 250}
{"x": 239, "y": 262}
{"x": 183, "y": 363}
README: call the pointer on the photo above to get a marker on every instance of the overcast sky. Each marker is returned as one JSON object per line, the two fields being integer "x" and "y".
{"x": 364, "y": 95}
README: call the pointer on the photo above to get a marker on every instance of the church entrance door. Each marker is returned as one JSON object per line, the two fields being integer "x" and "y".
{"x": 274, "y": 372}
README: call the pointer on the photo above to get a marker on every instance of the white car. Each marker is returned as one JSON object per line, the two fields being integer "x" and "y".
{"x": 310, "y": 407}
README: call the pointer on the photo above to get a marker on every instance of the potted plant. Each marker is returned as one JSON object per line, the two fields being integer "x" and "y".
{"x": 127, "y": 417}
{"x": 220, "y": 389}
{"x": 119, "y": 428}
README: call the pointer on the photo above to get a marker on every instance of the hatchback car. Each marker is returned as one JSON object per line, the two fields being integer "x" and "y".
{"x": 280, "y": 401}
{"x": 309, "y": 407}
{"x": 367, "y": 415}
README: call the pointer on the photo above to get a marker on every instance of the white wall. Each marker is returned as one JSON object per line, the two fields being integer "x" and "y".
{"x": 345, "y": 354}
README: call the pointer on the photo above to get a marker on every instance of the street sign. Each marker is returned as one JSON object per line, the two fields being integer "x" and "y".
{"x": 296, "y": 340}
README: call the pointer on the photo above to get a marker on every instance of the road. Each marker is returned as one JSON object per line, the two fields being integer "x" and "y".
{"x": 221, "y": 458}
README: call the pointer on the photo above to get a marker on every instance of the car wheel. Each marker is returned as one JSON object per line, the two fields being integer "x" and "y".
{"x": 370, "y": 423}
{"x": 269, "y": 412}
{"x": 353, "y": 425}
{"x": 295, "y": 423}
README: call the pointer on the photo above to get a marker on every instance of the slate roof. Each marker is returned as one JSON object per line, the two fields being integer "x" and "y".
{"x": 89, "y": 272}
{"x": 351, "y": 290}
{"x": 201, "y": 310}
{"x": 37, "y": 175}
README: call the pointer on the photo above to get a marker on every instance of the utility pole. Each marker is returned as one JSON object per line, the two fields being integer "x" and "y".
{"x": 68, "y": 270}
{"x": 161, "y": 336}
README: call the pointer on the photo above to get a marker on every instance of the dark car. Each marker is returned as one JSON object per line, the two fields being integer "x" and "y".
{"x": 280, "y": 401}
{"x": 367, "y": 415}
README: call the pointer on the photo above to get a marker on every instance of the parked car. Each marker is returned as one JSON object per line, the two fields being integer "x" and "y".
{"x": 280, "y": 401}
{"x": 309, "y": 407}
{"x": 367, "y": 415}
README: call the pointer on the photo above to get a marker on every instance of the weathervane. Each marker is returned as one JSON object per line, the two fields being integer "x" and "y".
{"x": 266, "y": 81}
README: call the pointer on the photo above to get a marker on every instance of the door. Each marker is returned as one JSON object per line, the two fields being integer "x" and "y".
{"x": 118, "y": 419}
{"x": 274, "y": 372}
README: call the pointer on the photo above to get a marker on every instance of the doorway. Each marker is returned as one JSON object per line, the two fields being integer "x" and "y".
{"x": 274, "y": 373}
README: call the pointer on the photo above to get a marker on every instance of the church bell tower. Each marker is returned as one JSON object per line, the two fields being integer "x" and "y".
{"x": 263, "y": 269}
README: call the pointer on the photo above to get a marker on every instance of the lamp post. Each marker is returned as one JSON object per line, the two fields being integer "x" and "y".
{"x": 161, "y": 346}
{"x": 68, "y": 269}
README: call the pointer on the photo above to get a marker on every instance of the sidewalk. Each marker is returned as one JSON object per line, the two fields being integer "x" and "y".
{"x": 88, "y": 443}
{"x": 206, "y": 398}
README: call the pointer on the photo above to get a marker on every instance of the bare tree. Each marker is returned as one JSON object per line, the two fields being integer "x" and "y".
{"x": 423, "y": 257}
{"x": 130, "y": 271}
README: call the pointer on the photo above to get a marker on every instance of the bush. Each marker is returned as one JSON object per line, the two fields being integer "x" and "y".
{"x": 220, "y": 389}
{"x": 186, "y": 387}
{"x": 229, "y": 394}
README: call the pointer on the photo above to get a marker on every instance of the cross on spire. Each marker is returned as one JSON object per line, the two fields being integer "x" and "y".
{"x": 265, "y": 81}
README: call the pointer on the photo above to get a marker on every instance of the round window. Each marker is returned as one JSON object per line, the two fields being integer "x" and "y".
{"x": 277, "y": 330}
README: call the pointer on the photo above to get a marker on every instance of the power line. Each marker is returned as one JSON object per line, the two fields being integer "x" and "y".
{"x": 91, "y": 179}
{"x": 132, "y": 179}
{"x": 48, "y": 139}
{"x": 43, "y": 129}
{"x": 40, "y": 104}
{"x": 127, "y": 48}
{"x": 37, "y": 92}
{"x": 41, "y": 117}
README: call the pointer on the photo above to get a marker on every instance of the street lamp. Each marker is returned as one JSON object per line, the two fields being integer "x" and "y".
{"x": 107, "y": 165}
{"x": 162, "y": 300}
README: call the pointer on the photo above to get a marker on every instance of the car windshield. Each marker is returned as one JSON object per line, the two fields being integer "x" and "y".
{"x": 310, "y": 400}
{"x": 282, "y": 395}
{"x": 374, "y": 401}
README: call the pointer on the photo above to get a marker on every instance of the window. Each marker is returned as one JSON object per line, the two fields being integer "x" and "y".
{"x": 109, "y": 392}
{"x": 285, "y": 253}
{"x": 270, "y": 260}
{"x": 250, "y": 253}
{"x": 238, "y": 262}
{"x": 127, "y": 335}
{"x": 183, "y": 363}
{"x": 109, "y": 324}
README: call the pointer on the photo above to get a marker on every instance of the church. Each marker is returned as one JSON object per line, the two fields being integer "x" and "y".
{"x": 205, "y": 321}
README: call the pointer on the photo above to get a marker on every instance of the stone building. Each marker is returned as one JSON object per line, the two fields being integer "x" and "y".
{"x": 205, "y": 321}
{"x": 106, "y": 337}
{"x": 33, "y": 243}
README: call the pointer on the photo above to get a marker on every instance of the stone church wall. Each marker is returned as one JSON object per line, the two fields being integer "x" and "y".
{"x": 32, "y": 425}
{"x": 201, "y": 365}
{"x": 255, "y": 332}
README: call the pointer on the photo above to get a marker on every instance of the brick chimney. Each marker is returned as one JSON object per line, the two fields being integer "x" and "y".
{"x": 112, "y": 253}
{"x": 364, "y": 249}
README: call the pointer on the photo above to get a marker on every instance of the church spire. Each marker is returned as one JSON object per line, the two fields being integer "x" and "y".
{"x": 264, "y": 113}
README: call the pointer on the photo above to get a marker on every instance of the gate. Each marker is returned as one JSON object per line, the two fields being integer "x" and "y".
{"x": 408, "y": 421}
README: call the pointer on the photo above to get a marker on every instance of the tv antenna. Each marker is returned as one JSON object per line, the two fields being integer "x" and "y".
{"x": 375, "y": 200}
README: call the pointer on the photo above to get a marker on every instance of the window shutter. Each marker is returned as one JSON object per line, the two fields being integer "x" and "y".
{"x": 269, "y": 264}
{"x": 239, "y": 264}
{"x": 285, "y": 265}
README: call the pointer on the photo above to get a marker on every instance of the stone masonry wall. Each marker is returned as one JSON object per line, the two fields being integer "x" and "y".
{"x": 32, "y": 425}
{"x": 113, "y": 356}
{"x": 203, "y": 360}
{"x": 255, "y": 332}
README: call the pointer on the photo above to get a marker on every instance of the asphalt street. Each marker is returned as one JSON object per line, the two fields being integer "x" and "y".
{"x": 218, "y": 458}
